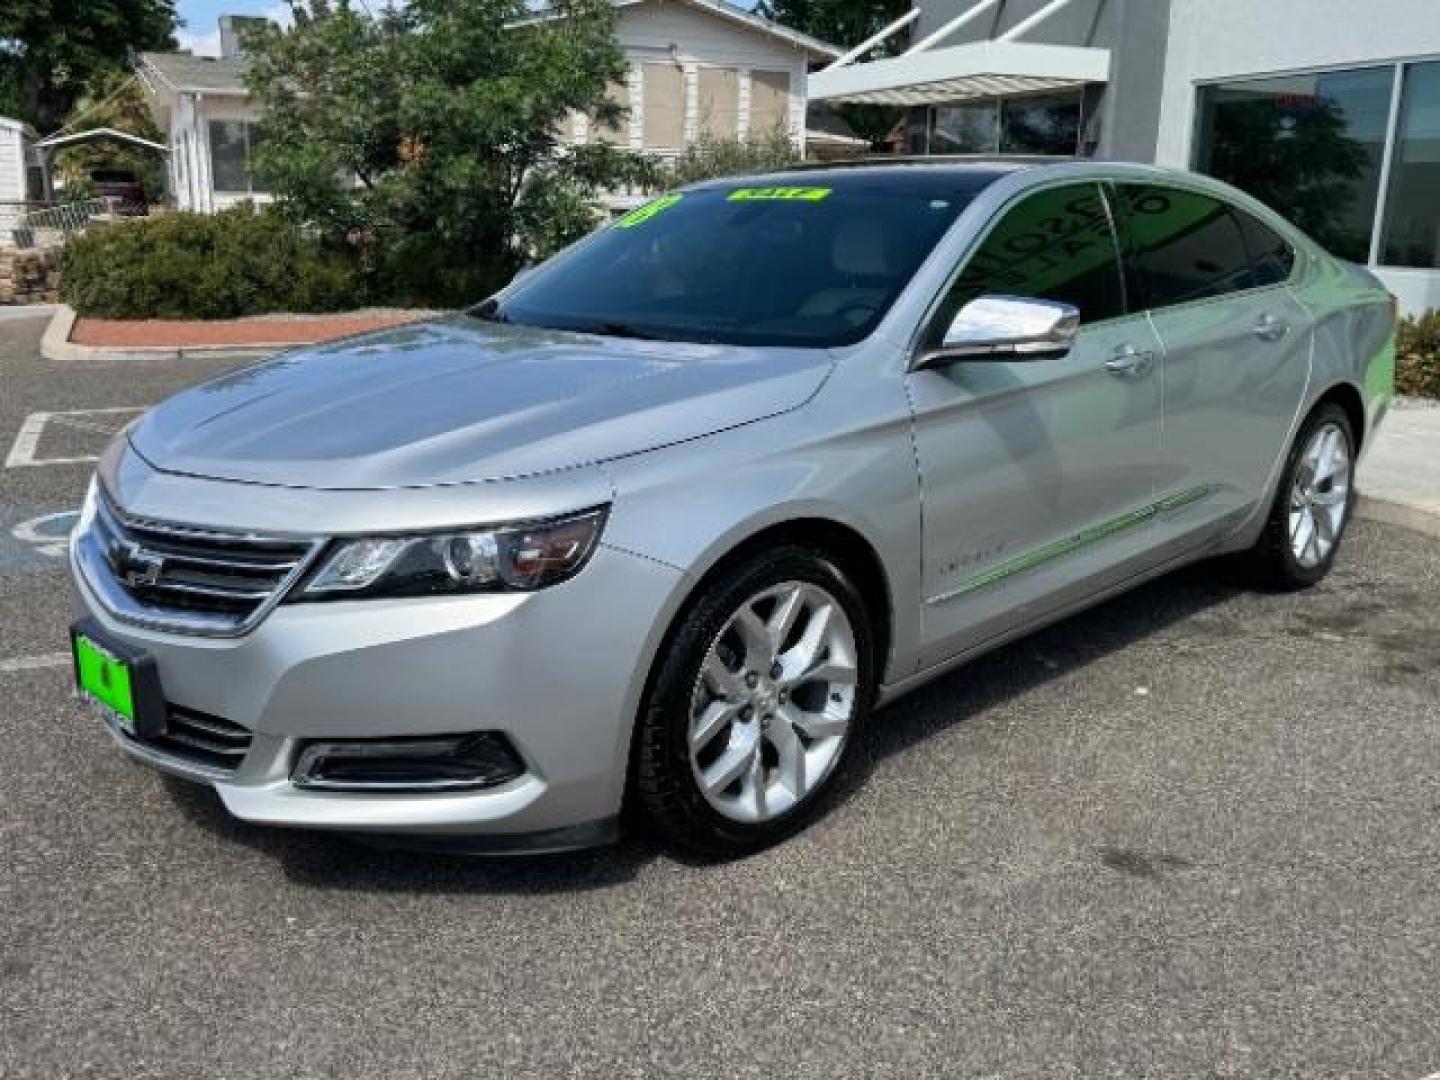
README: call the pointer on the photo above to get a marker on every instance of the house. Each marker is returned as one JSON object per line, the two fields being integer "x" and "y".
{"x": 18, "y": 173}
{"x": 1327, "y": 109}
{"x": 695, "y": 68}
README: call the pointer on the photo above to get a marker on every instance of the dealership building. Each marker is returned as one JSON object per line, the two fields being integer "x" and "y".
{"x": 1329, "y": 110}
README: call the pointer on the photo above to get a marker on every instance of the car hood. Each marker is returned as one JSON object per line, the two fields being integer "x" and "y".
{"x": 464, "y": 400}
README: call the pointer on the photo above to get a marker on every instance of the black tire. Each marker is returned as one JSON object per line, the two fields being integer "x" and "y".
{"x": 664, "y": 785}
{"x": 1272, "y": 562}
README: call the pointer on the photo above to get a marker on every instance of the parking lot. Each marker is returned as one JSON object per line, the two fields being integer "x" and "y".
{"x": 1194, "y": 832}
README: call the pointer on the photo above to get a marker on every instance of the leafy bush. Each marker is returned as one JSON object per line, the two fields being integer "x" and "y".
{"x": 207, "y": 266}
{"x": 1417, "y": 352}
{"x": 711, "y": 158}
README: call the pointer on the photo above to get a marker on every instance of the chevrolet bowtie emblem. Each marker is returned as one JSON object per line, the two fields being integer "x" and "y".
{"x": 140, "y": 568}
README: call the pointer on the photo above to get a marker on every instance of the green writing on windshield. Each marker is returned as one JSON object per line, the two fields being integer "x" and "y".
{"x": 642, "y": 214}
{"x": 778, "y": 194}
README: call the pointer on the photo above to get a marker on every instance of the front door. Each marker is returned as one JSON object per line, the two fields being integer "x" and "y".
{"x": 1038, "y": 478}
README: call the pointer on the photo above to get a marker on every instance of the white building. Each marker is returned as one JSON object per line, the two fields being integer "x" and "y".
{"x": 1328, "y": 109}
{"x": 695, "y": 67}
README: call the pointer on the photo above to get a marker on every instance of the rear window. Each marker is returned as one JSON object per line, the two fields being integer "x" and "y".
{"x": 1271, "y": 256}
{"x": 1182, "y": 245}
{"x": 810, "y": 265}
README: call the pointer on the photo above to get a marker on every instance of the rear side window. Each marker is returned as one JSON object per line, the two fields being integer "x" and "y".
{"x": 1054, "y": 245}
{"x": 1182, "y": 246}
{"x": 1271, "y": 256}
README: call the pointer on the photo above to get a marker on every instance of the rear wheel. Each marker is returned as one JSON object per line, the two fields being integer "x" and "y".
{"x": 1312, "y": 505}
{"x": 756, "y": 704}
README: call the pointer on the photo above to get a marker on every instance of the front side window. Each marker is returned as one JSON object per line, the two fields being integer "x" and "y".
{"x": 1309, "y": 146}
{"x": 1055, "y": 245}
{"x": 1181, "y": 245}
{"x": 232, "y": 147}
{"x": 804, "y": 265}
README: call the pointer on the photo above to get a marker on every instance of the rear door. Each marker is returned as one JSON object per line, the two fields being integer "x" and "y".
{"x": 1236, "y": 350}
{"x": 1037, "y": 477}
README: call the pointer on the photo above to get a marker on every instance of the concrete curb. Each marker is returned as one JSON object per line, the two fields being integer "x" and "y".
{"x": 56, "y": 345}
{"x": 1394, "y": 513}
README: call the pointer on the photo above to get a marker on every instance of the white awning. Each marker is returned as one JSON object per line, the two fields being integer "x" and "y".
{"x": 978, "y": 69}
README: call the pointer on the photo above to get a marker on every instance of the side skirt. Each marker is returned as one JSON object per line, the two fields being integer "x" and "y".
{"x": 891, "y": 691}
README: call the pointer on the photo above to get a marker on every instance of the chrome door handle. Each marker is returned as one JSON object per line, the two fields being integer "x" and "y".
{"x": 1270, "y": 328}
{"x": 1129, "y": 362}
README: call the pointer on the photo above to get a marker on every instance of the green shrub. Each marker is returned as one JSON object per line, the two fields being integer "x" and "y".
{"x": 206, "y": 266}
{"x": 1417, "y": 355}
{"x": 710, "y": 158}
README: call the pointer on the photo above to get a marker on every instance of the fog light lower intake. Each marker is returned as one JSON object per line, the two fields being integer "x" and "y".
{"x": 398, "y": 766}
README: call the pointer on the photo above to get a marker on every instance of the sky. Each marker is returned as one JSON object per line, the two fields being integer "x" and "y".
{"x": 201, "y": 32}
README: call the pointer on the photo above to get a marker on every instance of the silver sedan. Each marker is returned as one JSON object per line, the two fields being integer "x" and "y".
{"x": 661, "y": 523}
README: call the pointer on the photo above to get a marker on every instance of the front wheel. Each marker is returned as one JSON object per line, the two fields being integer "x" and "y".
{"x": 1312, "y": 505}
{"x": 756, "y": 703}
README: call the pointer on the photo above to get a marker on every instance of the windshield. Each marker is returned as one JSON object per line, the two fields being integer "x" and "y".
{"x": 810, "y": 266}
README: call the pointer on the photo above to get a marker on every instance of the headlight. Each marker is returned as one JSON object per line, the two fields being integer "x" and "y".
{"x": 86, "y": 517}
{"x": 504, "y": 558}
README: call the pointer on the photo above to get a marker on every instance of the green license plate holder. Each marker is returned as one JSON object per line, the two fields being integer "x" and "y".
{"x": 121, "y": 679}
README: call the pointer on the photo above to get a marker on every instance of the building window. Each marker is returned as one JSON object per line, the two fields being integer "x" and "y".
{"x": 718, "y": 102}
{"x": 618, "y": 130}
{"x": 769, "y": 103}
{"x": 664, "y": 106}
{"x": 1311, "y": 146}
{"x": 1412, "y": 210}
{"x": 968, "y": 128}
{"x": 1036, "y": 125}
{"x": 232, "y": 142}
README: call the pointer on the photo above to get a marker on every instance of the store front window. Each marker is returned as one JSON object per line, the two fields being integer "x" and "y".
{"x": 1311, "y": 146}
{"x": 1038, "y": 125}
{"x": 1412, "y": 211}
{"x": 1314, "y": 147}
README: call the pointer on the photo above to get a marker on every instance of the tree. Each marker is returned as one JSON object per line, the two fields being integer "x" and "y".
{"x": 847, "y": 23}
{"x": 1302, "y": 162}
{"x": 843, "y": 22}
{"x": 118, "y": 102}
{"x": 427, "y": 133}
{"x": 53, "y": 51}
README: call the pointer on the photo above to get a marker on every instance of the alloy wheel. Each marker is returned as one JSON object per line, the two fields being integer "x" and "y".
{"x": 772, "y": 706}
{"x": 1319, "y": 495}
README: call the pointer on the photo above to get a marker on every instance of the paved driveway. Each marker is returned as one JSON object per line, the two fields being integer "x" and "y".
{"x": 1191, "y": 833}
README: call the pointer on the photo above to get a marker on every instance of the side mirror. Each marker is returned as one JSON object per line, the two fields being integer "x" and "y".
{"x": 1007, "y": 328}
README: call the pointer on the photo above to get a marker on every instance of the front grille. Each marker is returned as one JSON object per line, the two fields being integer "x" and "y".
{"x": 185, "y": 578}
{"x": 199, "y": 738}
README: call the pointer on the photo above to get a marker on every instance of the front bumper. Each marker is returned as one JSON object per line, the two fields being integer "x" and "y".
{"x": 559, "y": 672}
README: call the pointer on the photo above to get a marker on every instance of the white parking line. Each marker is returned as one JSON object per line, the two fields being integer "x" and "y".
{"x": 35, "y": 663}
{"x": 22, "y": 452}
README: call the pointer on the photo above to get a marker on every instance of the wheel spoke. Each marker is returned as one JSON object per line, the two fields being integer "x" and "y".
{"x": 1325, "y": 455}
{"x": 718, "y": 715}
{"x": 755, "y": 636}
{"x": 1301, "y": 530}
{"x": 729, "y": 767}
{"x": 755, "y": 784}
{"x": 812, "y": 648}
{"x": 816, "y": 725}
{"x": 725, "y": 683}
{"x": 791, "y": 752}
{"x": 1325, "y": 531}
{"x": 782, "y": 620}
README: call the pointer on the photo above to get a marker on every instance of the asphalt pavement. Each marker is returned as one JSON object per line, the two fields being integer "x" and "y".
{"x": 1191, "y": 833}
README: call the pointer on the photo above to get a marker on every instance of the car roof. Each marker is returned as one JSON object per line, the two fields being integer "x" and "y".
{"x": 926, "y": 174}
